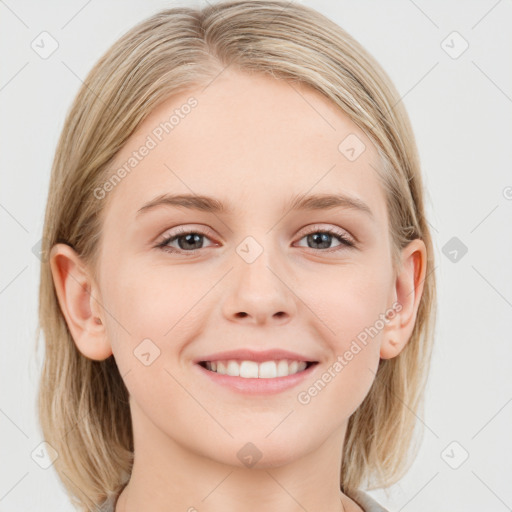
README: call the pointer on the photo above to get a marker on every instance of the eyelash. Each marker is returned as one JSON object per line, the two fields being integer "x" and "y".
{"x": 345, "y": 242}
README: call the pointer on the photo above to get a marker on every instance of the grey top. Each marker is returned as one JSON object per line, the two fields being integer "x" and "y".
{"x": 365, "y": 501}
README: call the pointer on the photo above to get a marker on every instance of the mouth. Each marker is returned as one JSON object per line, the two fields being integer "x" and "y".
{"x": 248, "y": 369}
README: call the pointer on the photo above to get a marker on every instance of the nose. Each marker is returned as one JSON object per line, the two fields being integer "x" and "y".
{"x": 259, "y": 295}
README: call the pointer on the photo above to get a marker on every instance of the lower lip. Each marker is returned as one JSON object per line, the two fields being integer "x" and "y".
{"x": 258, "y": 386}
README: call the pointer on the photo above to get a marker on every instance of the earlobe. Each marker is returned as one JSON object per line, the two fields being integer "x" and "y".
{"x": 408, "y": 291}
{"x": 79, "y": 302}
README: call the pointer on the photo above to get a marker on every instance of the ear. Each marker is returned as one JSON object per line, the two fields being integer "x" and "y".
{"x": 79, "y": 301}
{"x": 407, "y": 292}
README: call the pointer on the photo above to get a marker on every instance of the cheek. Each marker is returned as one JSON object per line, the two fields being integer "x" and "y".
{"x": 148, "y": 301}
{"x": 136, "y": 311}
{"x": 351, "y": 309}
{"x": 152, "y": 310}
{"x": 352, "y": 301}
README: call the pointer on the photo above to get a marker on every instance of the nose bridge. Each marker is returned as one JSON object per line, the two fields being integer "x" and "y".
{"x": 255, "y": 262}
{"x": 258, "y": 288}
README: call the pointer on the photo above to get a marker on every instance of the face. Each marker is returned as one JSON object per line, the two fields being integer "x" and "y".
{"x": 180, "y": 284}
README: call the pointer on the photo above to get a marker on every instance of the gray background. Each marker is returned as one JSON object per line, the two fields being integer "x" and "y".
{"x": 460, "y": 109}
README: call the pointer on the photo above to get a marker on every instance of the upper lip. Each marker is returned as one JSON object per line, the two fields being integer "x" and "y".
{"x": 254, "y": 355}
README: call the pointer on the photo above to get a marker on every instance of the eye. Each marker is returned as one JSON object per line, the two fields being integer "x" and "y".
{"x": 323, "y": 238}
{"x": 189, "y": 241}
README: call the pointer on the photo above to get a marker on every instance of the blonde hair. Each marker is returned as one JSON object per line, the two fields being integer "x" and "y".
{"x": 83, "y": 404}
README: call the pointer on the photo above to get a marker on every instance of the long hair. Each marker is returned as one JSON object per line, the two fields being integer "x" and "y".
{"x": 82, "y": 403}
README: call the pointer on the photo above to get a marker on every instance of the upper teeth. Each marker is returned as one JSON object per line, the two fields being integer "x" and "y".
{"x": 254, "y": 370}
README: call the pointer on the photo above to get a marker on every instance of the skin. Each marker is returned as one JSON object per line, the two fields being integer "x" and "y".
{"x": 252, "y": 142}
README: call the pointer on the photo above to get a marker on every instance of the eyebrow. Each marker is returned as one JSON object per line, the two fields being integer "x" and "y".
{"x": 299, "y": 202}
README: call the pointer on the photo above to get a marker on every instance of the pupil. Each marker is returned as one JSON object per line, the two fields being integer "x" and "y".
{"x": 320, "y": 238}
{"x": 190, "y": 239}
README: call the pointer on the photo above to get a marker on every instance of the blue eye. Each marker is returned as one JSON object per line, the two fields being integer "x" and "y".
{"x": 189, "y": 242}
{"x": 191, "y": 238}
{"x": 325, "y": 236}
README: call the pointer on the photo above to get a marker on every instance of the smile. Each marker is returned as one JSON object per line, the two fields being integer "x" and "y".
{"x": 256, "y": 378}
{"x": 256, "y": 370}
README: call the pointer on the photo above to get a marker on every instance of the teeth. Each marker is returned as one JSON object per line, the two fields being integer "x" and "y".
{"x": 282, "y": 368}
{"x": 233, "y": 369}
{"x": 254, "y": 370}
{"x": 248, "y": 369}
{"x": 268, "y": 370}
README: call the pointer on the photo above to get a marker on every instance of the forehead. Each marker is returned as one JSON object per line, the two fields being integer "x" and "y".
{"x": 249, "y": 140}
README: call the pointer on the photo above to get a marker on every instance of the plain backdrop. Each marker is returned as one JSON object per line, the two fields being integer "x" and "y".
{"x": 451, "y": 62}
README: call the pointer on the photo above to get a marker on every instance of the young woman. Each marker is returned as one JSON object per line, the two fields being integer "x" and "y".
{"x": 239, "y": 298}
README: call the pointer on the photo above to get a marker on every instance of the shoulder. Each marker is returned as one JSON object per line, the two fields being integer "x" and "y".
{"x": 367, "y": 503}
{"x": 361, "y": 498}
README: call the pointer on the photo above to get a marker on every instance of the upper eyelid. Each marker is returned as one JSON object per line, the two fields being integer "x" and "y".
{"x": 181, "y": 231}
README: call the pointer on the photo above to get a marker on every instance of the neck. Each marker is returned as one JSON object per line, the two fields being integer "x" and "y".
{"x": 167, "y": 475}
